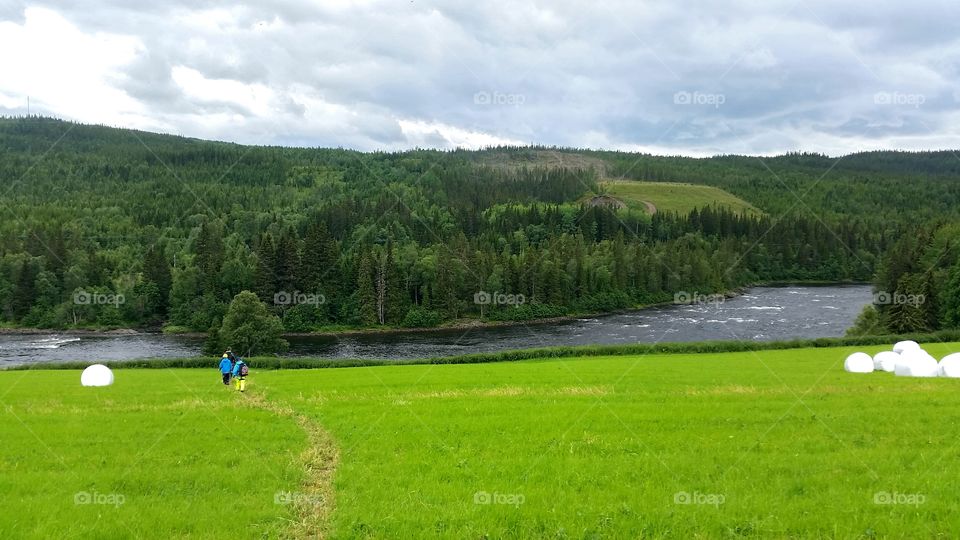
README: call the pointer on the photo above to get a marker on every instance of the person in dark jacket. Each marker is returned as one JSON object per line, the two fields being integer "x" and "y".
{"x": 226, "y": 369}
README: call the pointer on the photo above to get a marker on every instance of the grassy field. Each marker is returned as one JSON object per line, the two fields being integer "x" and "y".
{"x": 160, "y": 455}
{"x": 769, "y": 443}
{"x": 674, "y": 197}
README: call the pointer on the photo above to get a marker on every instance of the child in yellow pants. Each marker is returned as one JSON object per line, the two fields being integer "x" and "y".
{"x": 240, "y": 372}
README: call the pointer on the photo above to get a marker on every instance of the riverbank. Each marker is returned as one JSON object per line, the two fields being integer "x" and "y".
{"x": 29, "y": 331}
{"x": 458, "y": 325}
{"x": 699, "y": 347}
{"x": 762, "y": 314}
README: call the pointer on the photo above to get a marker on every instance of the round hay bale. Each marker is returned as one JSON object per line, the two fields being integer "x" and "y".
{"x": 901, "y": 346}
{"x": 858, "y": 362}
{"x": 96, "y": 375}
{"x": 885, "y": 361}
{"x": 950, "y": 366}
{"x": 917, "y": 363}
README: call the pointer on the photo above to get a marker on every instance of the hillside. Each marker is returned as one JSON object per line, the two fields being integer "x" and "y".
{"x": 681, "y": 198}
{"x": 175, "y": 227}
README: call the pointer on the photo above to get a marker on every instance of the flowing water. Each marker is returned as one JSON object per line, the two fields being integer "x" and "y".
{"x": 762, "y": 313}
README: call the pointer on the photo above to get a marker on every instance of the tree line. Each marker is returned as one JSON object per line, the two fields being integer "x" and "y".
{"x": 917, "y": 285}
{"x": 112, "y": 228}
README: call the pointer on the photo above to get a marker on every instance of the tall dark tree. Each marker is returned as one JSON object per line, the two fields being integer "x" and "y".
{"x": 209, "y": 251}
{"x": 264, "y": 278}
{"x": 367, "y": 290}
{"x": 396, "y": 295}
{"x": 156, "y": 270}
{"x": 318, "y": 265}
{"x": 24, "y": 292}
{"x": 286, "y": 262}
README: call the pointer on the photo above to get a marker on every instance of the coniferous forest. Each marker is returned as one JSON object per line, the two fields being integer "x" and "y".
{"x": 105, "y": 227}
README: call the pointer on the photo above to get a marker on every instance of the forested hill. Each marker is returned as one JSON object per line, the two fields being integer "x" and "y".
{"x": 110, "y": 227}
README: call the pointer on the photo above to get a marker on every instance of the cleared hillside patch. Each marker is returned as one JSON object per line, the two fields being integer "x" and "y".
{"x": 674, "y": 197}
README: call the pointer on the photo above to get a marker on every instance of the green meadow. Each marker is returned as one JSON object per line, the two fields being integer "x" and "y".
{"x": 675, "y": 196}
{"x": 778, "y": 443}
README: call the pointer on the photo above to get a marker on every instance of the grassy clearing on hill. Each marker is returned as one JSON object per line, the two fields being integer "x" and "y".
{"x": 674, "y": 197}
{"x": 779, "y": 443}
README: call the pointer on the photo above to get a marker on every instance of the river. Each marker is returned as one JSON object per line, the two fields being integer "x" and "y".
{"x": 762, "y": 313}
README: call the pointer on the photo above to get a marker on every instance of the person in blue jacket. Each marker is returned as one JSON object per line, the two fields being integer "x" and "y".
{"x": 226, "y": 368}
{"x": 240, "y": 372}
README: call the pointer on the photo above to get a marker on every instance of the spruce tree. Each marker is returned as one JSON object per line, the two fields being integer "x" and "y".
{"x": 263, "y": 277}
{"x": 366, "y": 290}
{"x": 210, "y": 251}
{"x": 286, "y": 262}
{"x": 318, "y": 264}
{"x": 396, "y": 295}
{"x": 24, "y": 292}
{"x": 156, "y": 270}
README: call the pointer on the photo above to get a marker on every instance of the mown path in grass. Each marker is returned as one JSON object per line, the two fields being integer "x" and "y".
{"x": 314, "y": 502}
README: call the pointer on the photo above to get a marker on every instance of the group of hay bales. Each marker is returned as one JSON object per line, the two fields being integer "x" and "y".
{"x": 907, "y": 359}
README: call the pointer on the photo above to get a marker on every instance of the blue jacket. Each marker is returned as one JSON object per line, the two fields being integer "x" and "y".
{"x": 226, "y": 366}
{"x": 236, "y": 367}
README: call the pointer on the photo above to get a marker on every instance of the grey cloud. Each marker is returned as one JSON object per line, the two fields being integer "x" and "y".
{"x": 789, "y": 73}
{"x": 149, "y": 79}
{"x": 289, "y": 105}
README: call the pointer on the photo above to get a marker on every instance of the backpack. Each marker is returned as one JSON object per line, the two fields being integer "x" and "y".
{"x": 244, "y": 370}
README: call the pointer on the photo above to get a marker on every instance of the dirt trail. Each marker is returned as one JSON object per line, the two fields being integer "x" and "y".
{"x": 314, "y": 503}
{"x": 651, "y": 209}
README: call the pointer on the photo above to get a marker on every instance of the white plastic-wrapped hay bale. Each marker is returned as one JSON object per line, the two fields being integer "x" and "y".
{"x": 96, "y": 375}
{"x": 858, "y": 362}
{"x": 901, "y": 346}
{"x": 885, "y": 361}
{"x": 950, "y": 366}
{"x": 917, "y": 363}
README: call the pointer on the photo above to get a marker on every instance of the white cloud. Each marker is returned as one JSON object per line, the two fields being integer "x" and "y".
{"x": 65, "y": 71}
{"x": 431, "y": 134}
{"x": 378, "y": 74}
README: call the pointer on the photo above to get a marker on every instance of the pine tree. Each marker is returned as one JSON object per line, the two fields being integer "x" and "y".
{"x": 619, "y": 262}
{"x": 950, "y": 303}
{"x": 263, "y": 277}
{"x": 209, "y": 250}
{"x": 286, "y": 262}
{"x": 906, "y": 313}
{"x": 366, "y": 290}
{"x": 318, "y": 264}
{"x": 396, "y": 295}
{"x": 56, "y": 253}
{"x": 24, "y": 292}
{"x": 156, "y": 270}
{"x": 444, "y": 290}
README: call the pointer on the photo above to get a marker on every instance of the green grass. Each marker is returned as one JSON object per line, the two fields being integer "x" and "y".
{"x": 675, "y": 197}
{"x": 160, "y": 454}
{"x": 174, "y": 329}
{"x": 784, "y": 443}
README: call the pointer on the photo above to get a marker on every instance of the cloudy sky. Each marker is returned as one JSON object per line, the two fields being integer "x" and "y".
{"x": 680, "y": 77}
